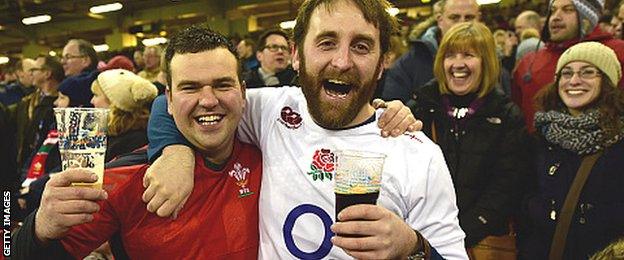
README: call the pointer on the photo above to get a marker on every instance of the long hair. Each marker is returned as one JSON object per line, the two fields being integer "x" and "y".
{"x": 120, "y": 121}
{"x": 470, "y": 36}
{"x": 610, "y": 103}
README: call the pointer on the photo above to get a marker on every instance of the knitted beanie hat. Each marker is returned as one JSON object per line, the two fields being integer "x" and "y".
{"x": 118, "y": 62}
{"x": 589, "y": 12}
{"x": 125, "y": 90}
{"x": 596, "y": 53}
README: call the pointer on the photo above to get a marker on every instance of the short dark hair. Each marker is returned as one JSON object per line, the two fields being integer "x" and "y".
{"x": 249, "y": 42}
{"x": 86, "y": 48}
{"x": 54, "y": 65}
{"x": 15, "y": 66}
{"x": 194, "y": 39}
{"x": 374, "y": 12}
{"x": 263, "y": 37}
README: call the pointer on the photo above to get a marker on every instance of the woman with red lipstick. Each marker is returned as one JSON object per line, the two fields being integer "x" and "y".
{"x": 481, "y": 132}
{"x": 581, "y": 118}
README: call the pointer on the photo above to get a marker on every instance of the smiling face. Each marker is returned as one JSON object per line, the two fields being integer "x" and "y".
{"x": 462, "y": 71}
{"x": 339, "y": 65}
{"x": 563, "y": 22}
{"x": 206, "y": 100}
{"x": 578, "y": 92}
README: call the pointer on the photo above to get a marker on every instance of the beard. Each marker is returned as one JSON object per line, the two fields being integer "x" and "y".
{"x": 336, "y": 114}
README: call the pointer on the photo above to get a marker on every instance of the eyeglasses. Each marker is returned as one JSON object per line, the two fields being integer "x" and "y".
{"x": 275, "y": 47}
{"x": 69, "y": 56}
{"x": 585, "y": 73}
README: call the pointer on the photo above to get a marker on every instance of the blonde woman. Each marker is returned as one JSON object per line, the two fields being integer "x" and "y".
{"x": 481, "y": 133}
{"x": 128, "y": 97}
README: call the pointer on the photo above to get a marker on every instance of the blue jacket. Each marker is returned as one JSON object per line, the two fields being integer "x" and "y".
{"x": 599, "y": 215}
{"x": 14, "y": 92}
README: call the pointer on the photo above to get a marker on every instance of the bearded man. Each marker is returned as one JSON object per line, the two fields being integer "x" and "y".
{"x": 299, "y": 131}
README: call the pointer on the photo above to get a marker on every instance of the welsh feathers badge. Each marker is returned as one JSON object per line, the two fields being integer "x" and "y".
{"x": 240, "y": 174}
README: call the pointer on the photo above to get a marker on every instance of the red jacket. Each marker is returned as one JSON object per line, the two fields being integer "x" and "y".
{"x": 537, "y": 69}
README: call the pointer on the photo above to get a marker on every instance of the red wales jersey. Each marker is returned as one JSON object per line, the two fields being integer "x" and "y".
{"x": 219, "y": 220}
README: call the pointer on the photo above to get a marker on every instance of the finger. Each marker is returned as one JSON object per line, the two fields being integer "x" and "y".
{"x": 180, "y": 206}
{"x": 416, "y": 126}
{"x": 146, "y": 178}
{"x": 379, "y": 103}
{"x": 387, "y": 115}
{"x": 361, "y": 212}
{"x": 393, "y": 124}
{"x": 76, "y": 207}
{"x": 403, "y": 125}
{"x": 149, "y": 193}
{"x": 356, "y": 243}
{"x": 155, "y": 203}
{"x": 78, "y": 193}
{"x": 355, "y": 228}
{"x": 167, "y": 208}
{"x": 66, "y": 178}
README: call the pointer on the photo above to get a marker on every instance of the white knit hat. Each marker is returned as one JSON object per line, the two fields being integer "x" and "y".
{"x": 125, "y": 90}
{"x": 597, "y": 54}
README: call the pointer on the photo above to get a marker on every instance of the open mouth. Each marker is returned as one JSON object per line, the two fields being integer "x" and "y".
{"x": 337, "y": 88}
{"x": 576, "y": 92}
{"x": 460, "y": 74}
{"x": 208, "y": 120}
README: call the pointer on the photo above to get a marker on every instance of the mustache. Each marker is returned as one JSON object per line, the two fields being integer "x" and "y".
{"x": 347, "y": 77}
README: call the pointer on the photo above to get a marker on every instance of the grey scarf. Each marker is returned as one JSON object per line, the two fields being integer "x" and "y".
{"x": 581, "y": 134}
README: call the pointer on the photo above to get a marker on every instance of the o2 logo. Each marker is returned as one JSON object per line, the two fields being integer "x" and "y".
{"x": 292, "y": 217}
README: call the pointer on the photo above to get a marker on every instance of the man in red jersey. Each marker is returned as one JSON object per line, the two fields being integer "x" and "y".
{"x": 568, "y": 22}
{"x": 206, "y": 99}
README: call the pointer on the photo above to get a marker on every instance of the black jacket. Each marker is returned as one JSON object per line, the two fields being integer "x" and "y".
{"x": 598, "y": 217}
{"x": 254, "y": 80}
{"x": 487, "y": 158}
{"x": 125, "y": 143}
{"x": 411, "y": 71}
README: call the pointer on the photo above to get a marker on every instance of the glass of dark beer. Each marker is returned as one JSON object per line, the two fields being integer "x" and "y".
{"x": 357, "y": 178}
